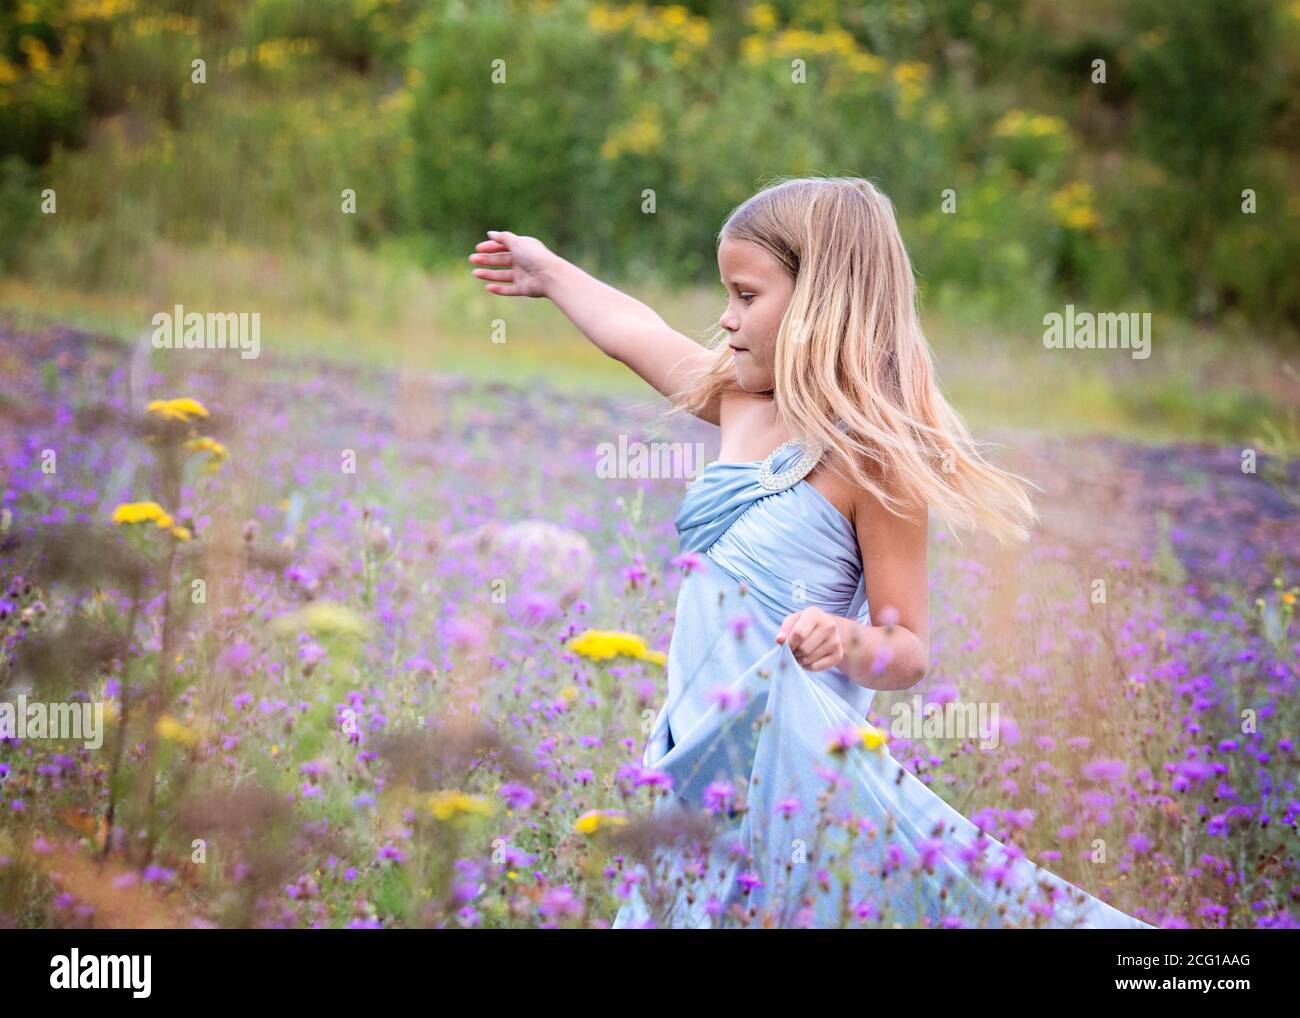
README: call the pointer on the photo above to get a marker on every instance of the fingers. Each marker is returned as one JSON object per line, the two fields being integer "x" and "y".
{"x": 491, "y": 262}
{"x": 816, "y": 644}
{"x": 498, "y": 263}
{"x": 812, "y": 638}
{"x": 493, "y": 253}
{"x": 502, "y": 239}
{"x": 814, "y": 657}
{"x": 797, "y": 629}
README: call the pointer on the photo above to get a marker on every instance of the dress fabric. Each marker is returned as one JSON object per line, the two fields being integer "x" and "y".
{"x": 745, "y": 725}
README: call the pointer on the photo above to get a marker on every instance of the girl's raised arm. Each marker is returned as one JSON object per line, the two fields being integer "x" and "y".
{"x": 618, "y": 324}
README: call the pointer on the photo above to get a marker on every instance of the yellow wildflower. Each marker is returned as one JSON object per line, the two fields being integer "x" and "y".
{"x": 596, "y": 819}
{"x": 911, "y": 78}
{"x": 1010, "y": 123}
{"x": 606, "y": 644}
{"x": 569, "y": 693}
{"x": 150, "y": 512}
{"x": 863, "y": 62}
{"x": 873, "y": 738}
{"x": 763, "y": 17}
{"x": 912, "y": 73}
{"x": 1043, "y": 125}
{"x": 217, "y": 453}
{"x": 143, "y": 512}
{"x": 642, "y": 135}
{"x": 183, "y": 408}
{"x": 603, "y": 18}
{"x": 322, "y": 618}
{"x": 674, "y": 14}
{"x": 850, "y": 737}
{"x": 208, "y": 445}
{"x": 1073, "y": 206}
{"x": 696, "y": 32}
{"x": 38, "y": 57}
{"x": 1018, "y": 123}
{"x": 173, "y": 731}
{"x": 449, "y": 804}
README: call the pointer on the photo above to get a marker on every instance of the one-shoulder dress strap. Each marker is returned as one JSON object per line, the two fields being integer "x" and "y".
{"x": 793, "y": 474}
{"x": 800, "y": 468}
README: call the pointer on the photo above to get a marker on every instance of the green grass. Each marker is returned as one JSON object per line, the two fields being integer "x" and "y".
{"x": 373, "y": 307}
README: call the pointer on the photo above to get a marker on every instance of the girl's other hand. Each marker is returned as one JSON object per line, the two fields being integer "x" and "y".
{"x": 813, "y": 637}
{"x": 518, "y": 266}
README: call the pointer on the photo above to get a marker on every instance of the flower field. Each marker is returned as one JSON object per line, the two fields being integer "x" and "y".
{"x": 382, "y": 649}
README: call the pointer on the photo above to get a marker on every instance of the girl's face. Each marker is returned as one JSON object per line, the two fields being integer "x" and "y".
{"x": 758, "y": 290}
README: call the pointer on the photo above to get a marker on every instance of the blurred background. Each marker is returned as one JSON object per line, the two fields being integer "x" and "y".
{"x": 1120, "y": 156}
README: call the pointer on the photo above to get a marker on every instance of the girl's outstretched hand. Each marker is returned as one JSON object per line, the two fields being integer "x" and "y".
{"x": 518, "y": 266}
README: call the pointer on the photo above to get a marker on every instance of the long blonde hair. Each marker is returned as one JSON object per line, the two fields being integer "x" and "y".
{"x": 850, "y": 348}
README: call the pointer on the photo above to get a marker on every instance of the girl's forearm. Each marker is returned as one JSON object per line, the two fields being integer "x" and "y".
{"x": 617, "y": 323}
{"x": 881, "y": 657}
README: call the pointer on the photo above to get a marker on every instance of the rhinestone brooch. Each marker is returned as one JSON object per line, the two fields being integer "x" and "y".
{"x": 779, "y": 482}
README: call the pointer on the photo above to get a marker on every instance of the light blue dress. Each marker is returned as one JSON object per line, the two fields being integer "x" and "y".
{"x": 745, "y": 724}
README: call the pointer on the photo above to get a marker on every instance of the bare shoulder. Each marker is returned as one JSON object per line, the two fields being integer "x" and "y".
{"x": 871, "y": 511}
{"x": 893, "y": 545}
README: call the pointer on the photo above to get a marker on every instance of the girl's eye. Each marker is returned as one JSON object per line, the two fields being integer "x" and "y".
{"x": 747, "y": 297}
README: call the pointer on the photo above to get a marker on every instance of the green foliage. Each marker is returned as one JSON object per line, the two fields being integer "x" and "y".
{"x": 510, "y": 152}
{"x": 1207, "y": 79}
{"x": 623, "y": 134}
{"x": 361, "y": 35}
{"x": 19, "y": 206}
{"x": 42, "y": 81}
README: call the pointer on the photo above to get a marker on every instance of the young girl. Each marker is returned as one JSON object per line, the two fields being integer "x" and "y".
{"x": 835, "y": 445}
